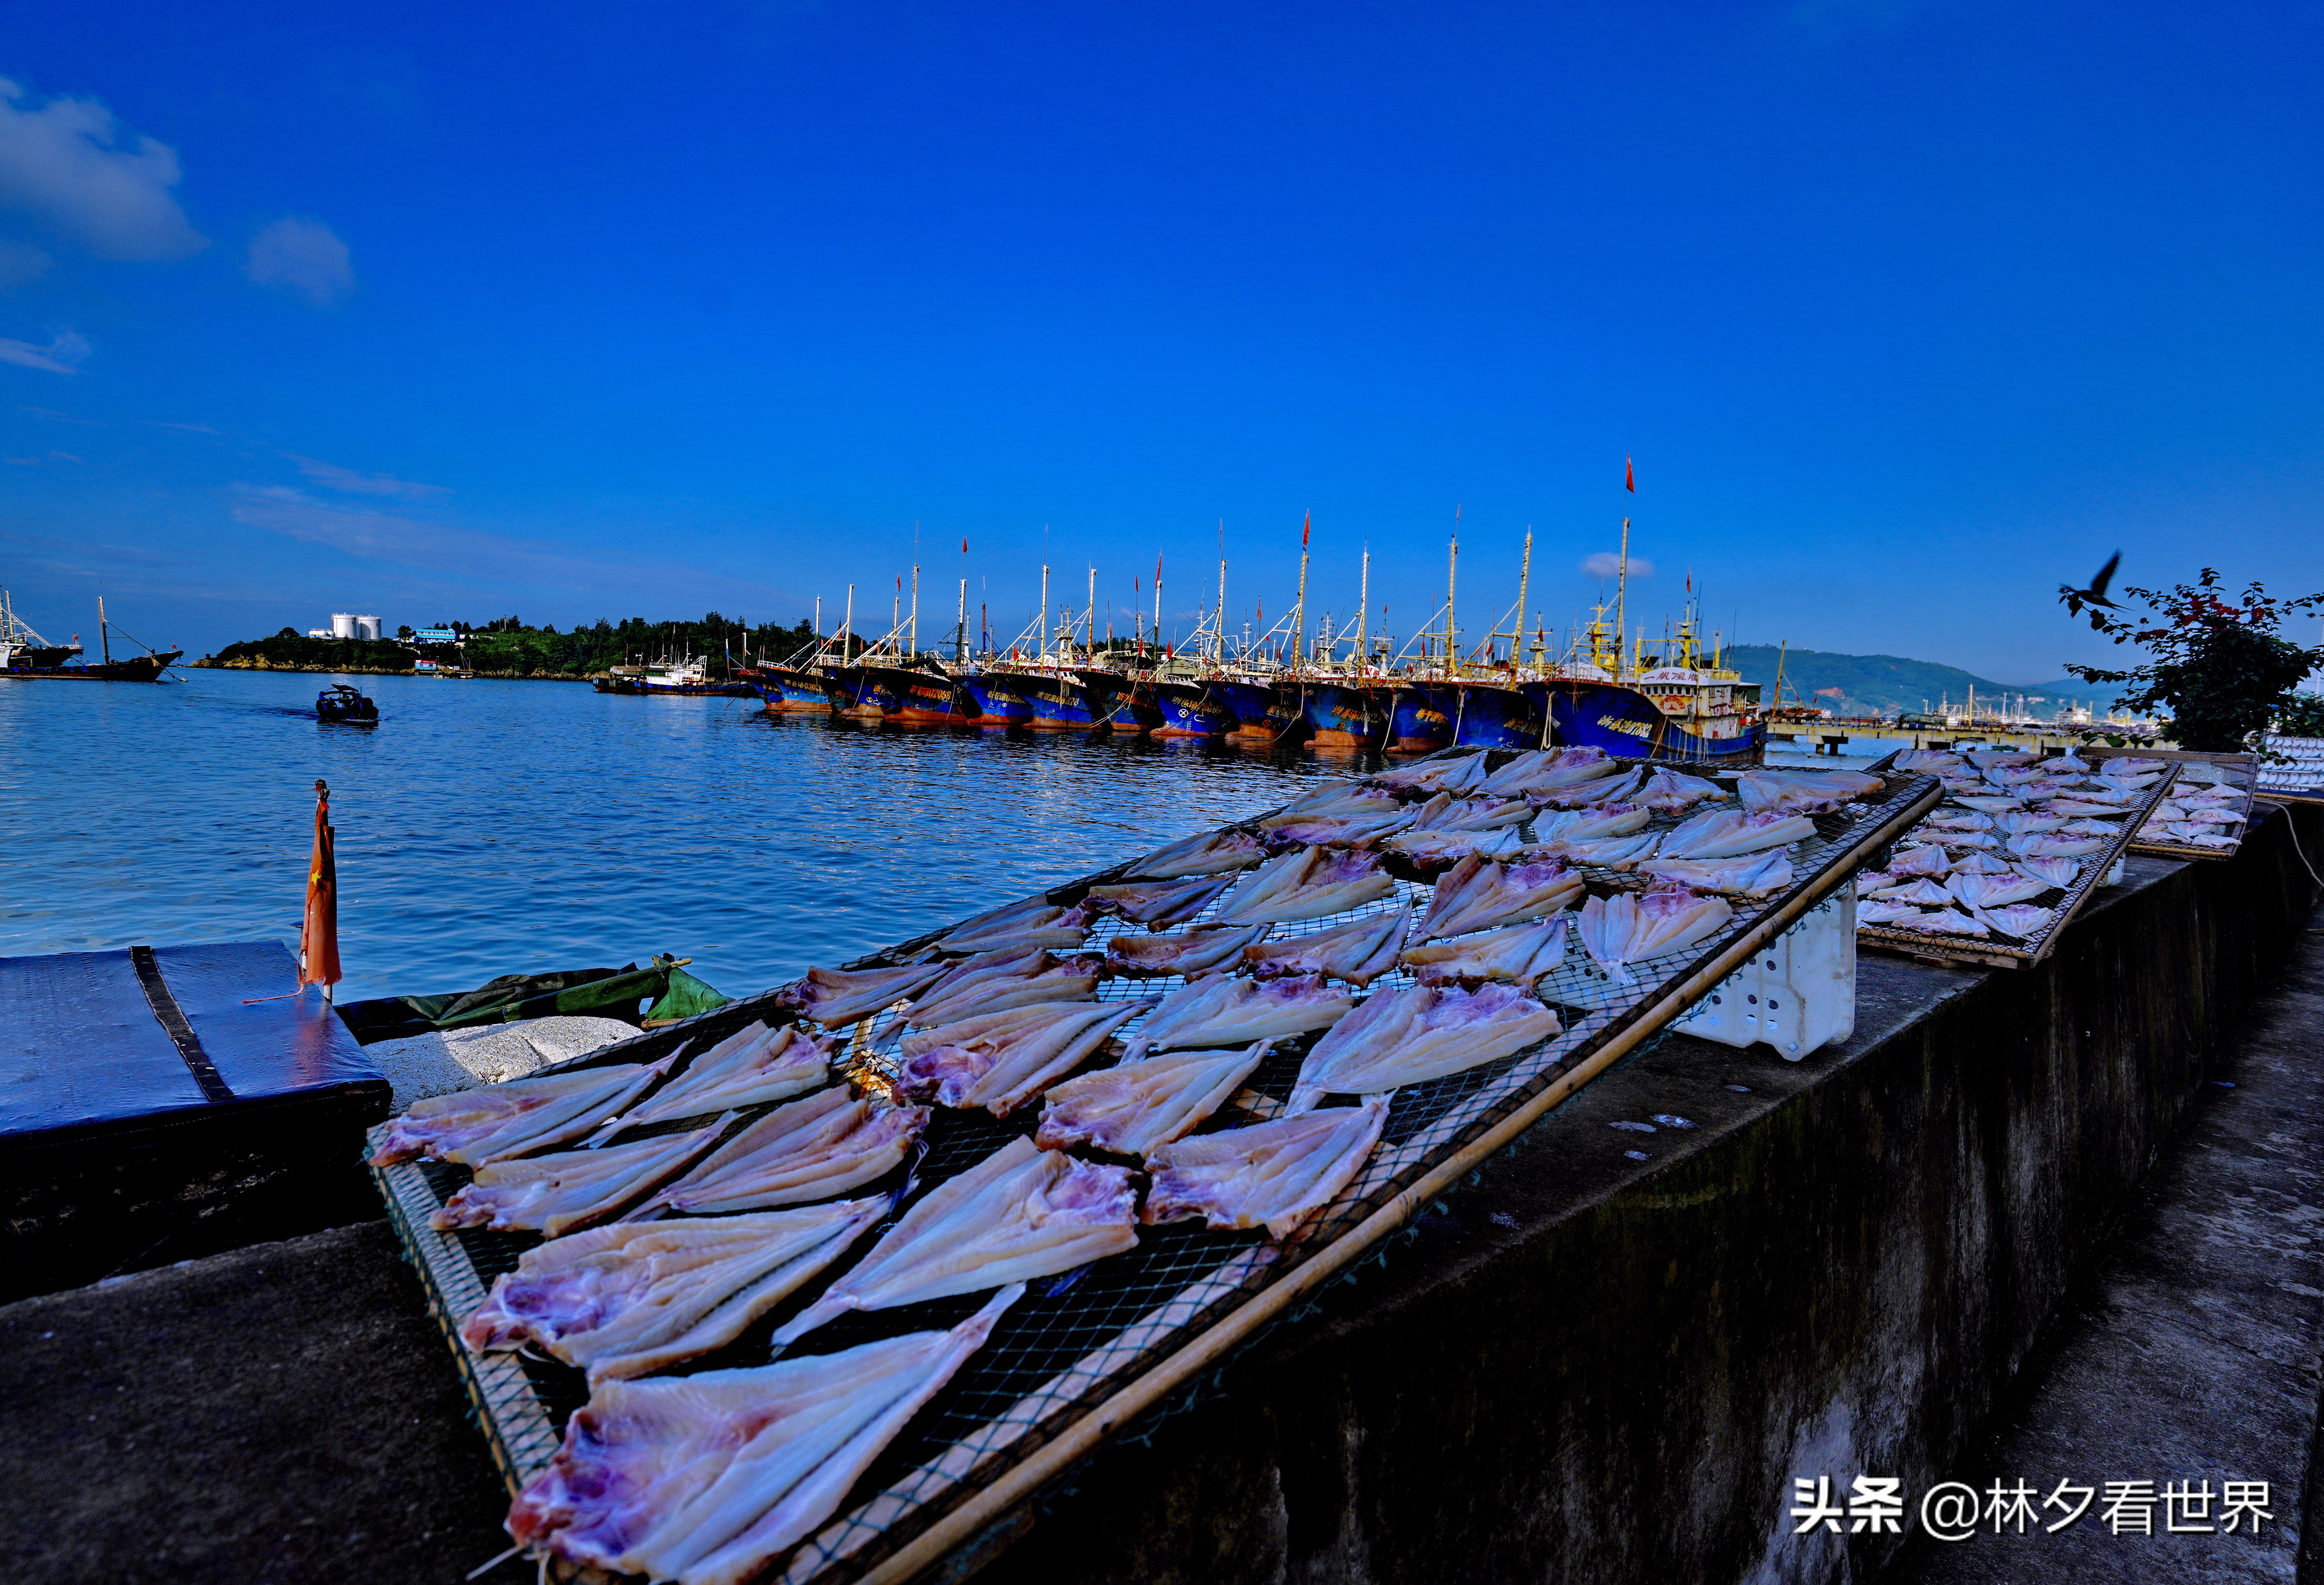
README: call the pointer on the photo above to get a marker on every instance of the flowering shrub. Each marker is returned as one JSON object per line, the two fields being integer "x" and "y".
{"x": 2217, "y": 664}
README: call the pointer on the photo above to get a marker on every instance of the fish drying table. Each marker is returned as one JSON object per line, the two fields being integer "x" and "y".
{"x": 145, "y": 1110}
{"x": 1934, "y": 947}
{"x": 1084, "y": 1353}
{"x": 2237, "y": 770}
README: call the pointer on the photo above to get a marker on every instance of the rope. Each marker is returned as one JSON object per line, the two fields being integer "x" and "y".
{"x": 2291, "y": 830}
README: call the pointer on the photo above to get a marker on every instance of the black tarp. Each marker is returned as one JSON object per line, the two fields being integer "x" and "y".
{"x": 623, "y": 993}
{"x": 151, "y": 1110}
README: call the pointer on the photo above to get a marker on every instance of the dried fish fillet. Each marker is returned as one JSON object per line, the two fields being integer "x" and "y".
{"x": 1017, "y": 978}
{"x": 1461, "y": 773}
{"x": 1729, "y": 834}
{"x": 1988, "y": 892}
{"x": 1001, "y": 1061}
{"x": 1671, "y": 792}
{"x": 1197, "y": 952}
{"x": 2052, "y": 846}
{"x": 1612, "y": 852}
{"x": 1021, "y": 1212}
{"x": 637, "y": 1297}
{"x": 1342, "y": 800}
{"x": 476, "y": 1126}
{"x": 2019, "y": 919}
{"x": 1132, "y": 1107}
{"x": 1272, "y": 1175}
{"x": 1352, "y": 831}
{"x": 1592, "y": 825}
{"x": 1475, "y": 895}
{"x": 1034, "y": 921}
{"x": 1596, "y": 790}
{"x": 703, "y": 1478}
{"x": 1544, "y": 770}
{"x": 1228, "y": 1009}
{"x": 1209, "y": 853}
{"x": 1446, "y": 813}
{"x": 832, "y": 997}
{"x": 1159, "y": 904}
{"x": 1752, "y": 877}
{"x": 1436, "y": 849}
{"x": 824, "y": 1144}
{"x": 1308, "y": 884}
{"x": 555, "y": 1193}
{"x": 1919, "y": 861}
{"x": 1622, "y": 930}
{"x": 1420, "y": 1032}
{"x": 1358, "y": 952}
{"x": 749, "y": 1067}
{"x": 1802, "y": 792}
{"x": 1520, "y": 955}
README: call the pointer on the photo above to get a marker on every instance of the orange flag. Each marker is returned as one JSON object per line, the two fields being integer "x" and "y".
{"x": 1304, "y": 526}
{"x": 318, "y": 936}
{"x": 1630, "y": 479}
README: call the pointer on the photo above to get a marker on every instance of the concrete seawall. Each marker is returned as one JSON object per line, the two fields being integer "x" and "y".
{"x": 1587, "y": 1367}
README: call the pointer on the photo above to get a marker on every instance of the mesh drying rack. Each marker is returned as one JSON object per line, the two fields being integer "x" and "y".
{"x": 1083, "y": 1354}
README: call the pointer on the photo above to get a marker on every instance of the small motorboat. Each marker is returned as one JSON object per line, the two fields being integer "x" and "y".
{"x": 341, "y": 702}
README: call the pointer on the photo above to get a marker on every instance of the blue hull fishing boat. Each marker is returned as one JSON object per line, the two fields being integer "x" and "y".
{"x": 923, "y": 698}
{"x": 1060, "y": 700}
{"x": 857, "y": 691}
{"x": 1486, "y": 715}
{"x": 1264, "y": 712}
{"x": 1190, "y": 709}
{"x": 787, "y": 689}
{"x": 1418, "y": 721}
{"x": 1346, "y": 715}
{"x": 1623, "y": 721}
{"x": 997, "y": 702}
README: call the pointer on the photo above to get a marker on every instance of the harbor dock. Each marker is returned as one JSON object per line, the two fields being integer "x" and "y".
{"x": 1604, "y": 1356}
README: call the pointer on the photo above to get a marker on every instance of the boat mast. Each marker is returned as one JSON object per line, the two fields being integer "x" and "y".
{"x": 1299, "y": 613}
{"x": 1363, "y": 611}
{"x": 1525, "y": 581}
{"x": 1218, "y": 639}
{"x": 105, "y": 640}
{"x": 916, "y": 609}
{"x": 847, "y": 628}
{"x": 1452, "y": 572}
{"x": 1621, "y": 595}
{"x": 1089, "y": 618}
{"x": 1157, "y": 600}
{"x": 1044, "y": 655}
{"x": 960, "y": 647}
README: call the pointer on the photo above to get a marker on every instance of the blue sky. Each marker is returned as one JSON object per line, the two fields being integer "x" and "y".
{"x": 1907, "y": 311}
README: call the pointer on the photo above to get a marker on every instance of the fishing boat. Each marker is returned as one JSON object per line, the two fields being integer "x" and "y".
{"x": 343, "y": 702}
{"x": 1265, "y": 710}
{"x": 1491, "y": 714}
{"x": 1191, "y": 708}
{"x": 23, "y": 653}
{"x": 922, "y": 695}
{"x": 1662, "y": 701}
{"x": 998, "y": 704}
{"x": 1418, "y": 721}
{"x": 686, "y": 677}
{"x": 793, "y": 690}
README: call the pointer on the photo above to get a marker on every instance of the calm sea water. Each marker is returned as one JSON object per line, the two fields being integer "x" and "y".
{"x": 493, "y": 827}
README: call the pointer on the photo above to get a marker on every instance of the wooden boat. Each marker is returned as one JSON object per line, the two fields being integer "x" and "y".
{"x": 23, "y": 653}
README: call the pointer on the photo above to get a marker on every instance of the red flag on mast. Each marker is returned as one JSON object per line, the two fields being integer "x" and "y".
{"x": 1629, "y": 478}
{"x": 319, "y": 934}
{"x": 1304, "y": 526}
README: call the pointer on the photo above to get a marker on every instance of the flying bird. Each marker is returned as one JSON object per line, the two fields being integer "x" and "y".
{"x": 2096, "y": 595}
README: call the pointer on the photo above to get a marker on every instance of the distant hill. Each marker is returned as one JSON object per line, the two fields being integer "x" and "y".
{"x": 1875, "y": 685}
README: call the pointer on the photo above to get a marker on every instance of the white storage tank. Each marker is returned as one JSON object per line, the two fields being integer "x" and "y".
{"x": 367, "y": 627}
{"x": 343, "y": 624}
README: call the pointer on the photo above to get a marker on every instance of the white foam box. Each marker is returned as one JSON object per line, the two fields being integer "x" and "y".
{"x": 1798, "y": 994}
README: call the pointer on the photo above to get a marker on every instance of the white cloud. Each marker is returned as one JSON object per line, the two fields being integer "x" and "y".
{"x": 78, "y": 173}
{"x": 348, "y": 482}
{"x": 61, "y": 356}
{"x": 1607, "y": 564}
{"x": 303, "y": 257}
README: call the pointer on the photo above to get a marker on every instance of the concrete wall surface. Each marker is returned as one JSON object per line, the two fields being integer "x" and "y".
{"x": 1583, "y": 1365}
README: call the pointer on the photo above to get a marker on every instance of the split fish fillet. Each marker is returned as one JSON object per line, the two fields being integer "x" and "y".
{"x": 1008, "y": 980}
{"x": 1340, "y": 798}
{"x": 1967, "y": 820}
{"x": 1729, "y": 834}
{"x": 1001, "y": 1061}
{"x": 1592, "y": 825}
{"x": 1921, "y": 761}
{"x": 473, "y": 1126}
{"x": 1981, "y": 864}
{"x": 1919, "y": 861}
{"x": 1881, "y": 911}
{"x": 1803, "y": 792}
{"x": 2018, "y": 920}
{"x": 832, "y": 997}
{"x": 1475, "y": 895}
{"x": 1421, "y": 1032}
{"x": 1197, "y": 952}
{"x": 1446, "y": 813}
{"x": 1308, "y": 884}
{"x": 1228, "y": 1009}
{"x": 1272, "y": 1175}
{"x": 1159, "y": 904}
{"x": 2019, "y": 822}
{"x": 1520, "y": 955}
{"x": 1919, "y": 889}
{"x": 1578, "y": 795}
{"x": 1541, "y": 769}
{"x": 1034, "y": 921}
{"x": 1436, "y": 850}
{"x": 1359, "y": 953}
{"x": 559, "y": 1192}
{"x": 1752, "y": 877}
{"x": 1673, "y": 792}
{"x": 1019, "y": 1213}
{"x": 1355, "y": 831}
{"x": 810, "y": 1149}
{"x": 754, "y": 1066}
{"x": 2047, "y": 847}
{"x": 1207, "y": 854}
{"x": 1988, "y": 892}
{"x": 632, "y": 1298}
{"x": 1132, "y": 1107}
{"x": 703, "y": 1478}
{"x": 1610, "y": 852}
{"x": 1622, "y": 930}
{"x": 1464, "y": 773}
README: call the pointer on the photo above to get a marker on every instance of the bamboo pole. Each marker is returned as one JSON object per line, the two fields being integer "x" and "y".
{"x": 1053, "y": 1458}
